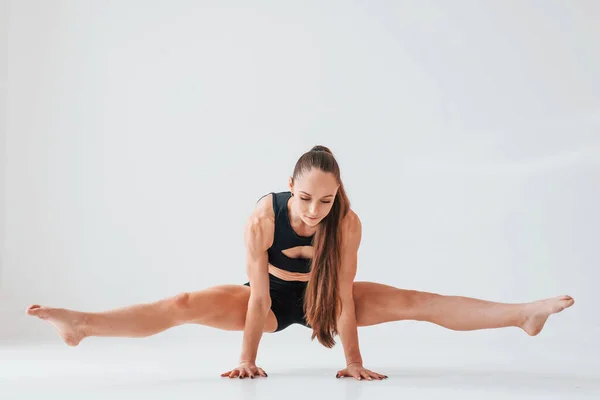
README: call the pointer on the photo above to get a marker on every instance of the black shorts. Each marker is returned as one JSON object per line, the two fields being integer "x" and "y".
{"x": 287, "y": 302}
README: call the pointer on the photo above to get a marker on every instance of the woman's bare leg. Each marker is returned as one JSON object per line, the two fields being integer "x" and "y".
{"x": 222, "y": 307}
{"x": 377, "y": 303}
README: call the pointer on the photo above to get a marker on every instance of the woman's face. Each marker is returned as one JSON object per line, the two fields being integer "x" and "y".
{"x": 314, "y": 193}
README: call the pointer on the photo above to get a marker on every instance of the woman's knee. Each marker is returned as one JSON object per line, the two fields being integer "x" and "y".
{"x": 181, "y": 301}
{"x": 419, "y": 303}
{"x": 179, "y": 307}
{"x": 220, "y": 305}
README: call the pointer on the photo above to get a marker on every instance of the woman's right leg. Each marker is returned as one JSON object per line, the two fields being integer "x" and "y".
{"x": 223, "y": 307}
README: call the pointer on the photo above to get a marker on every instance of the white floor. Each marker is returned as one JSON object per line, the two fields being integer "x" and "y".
{"x": 448, "y": 366}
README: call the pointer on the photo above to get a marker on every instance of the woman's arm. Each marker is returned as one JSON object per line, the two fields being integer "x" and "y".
{"x": 346, "y": 323}
{"x": 258, "y": 237}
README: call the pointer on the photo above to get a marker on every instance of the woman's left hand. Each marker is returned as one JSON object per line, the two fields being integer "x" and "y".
{"x": 357, "y": 371}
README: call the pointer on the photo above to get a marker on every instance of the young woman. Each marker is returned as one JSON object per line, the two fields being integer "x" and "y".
{"x": 301, "y": 249}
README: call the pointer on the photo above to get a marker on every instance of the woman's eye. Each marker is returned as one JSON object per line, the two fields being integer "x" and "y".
{"x": 324, "y": 202}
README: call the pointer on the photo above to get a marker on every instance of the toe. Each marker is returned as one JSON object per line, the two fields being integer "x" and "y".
{"x": 568, "y": 301}
{"x": 33, "y": 310}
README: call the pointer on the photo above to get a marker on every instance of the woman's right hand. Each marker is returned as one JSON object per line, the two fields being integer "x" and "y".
{"x": 245, "y": 369}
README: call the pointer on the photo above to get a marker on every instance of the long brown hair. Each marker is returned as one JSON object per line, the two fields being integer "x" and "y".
{"x": 321, "y": 302}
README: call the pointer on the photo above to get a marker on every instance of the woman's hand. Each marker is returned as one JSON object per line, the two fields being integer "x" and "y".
{"x": 245, "y": 369}
{"x": 357, "y": 371}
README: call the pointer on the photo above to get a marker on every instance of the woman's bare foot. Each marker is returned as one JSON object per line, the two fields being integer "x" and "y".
{"x": 537, "y": 313}
{"x": 69, "y": 324}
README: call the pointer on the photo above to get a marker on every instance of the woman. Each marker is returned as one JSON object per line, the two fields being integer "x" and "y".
{"x": 301, "y": 249}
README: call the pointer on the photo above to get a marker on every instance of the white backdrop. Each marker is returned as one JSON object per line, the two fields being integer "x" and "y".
{"x": 140, "y": 134}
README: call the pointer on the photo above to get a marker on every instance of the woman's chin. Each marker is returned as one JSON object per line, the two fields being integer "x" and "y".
{"x": 311, "y": 221}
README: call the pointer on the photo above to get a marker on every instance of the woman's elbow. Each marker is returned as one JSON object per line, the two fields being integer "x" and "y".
{"x": 260, "y": 301}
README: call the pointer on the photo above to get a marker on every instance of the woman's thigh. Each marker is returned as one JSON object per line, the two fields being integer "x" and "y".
{"x": 376, "y": 303}
{"x": 223, "y": 307}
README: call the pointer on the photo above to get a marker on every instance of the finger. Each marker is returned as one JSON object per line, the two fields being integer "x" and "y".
{"x": 262, "y": 372}
{"x": 233, "y": 374}
{"x": 372, "y": 375}
{"x": 226, "y": 373}
{"x": 365, "y": 375}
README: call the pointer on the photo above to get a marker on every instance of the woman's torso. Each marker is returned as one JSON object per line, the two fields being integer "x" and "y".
{"x": 290, "y": 253}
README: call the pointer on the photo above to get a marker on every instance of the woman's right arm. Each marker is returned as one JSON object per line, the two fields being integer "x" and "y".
{"x": 258, "y": 235}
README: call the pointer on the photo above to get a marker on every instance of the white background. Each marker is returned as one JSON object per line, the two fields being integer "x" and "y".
{"x": 140, "y": 134}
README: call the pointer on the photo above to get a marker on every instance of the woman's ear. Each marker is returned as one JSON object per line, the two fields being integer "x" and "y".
{"x": 291, "y": 184}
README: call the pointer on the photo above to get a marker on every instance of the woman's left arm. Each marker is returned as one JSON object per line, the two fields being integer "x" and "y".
{"x": 346, "y": 323}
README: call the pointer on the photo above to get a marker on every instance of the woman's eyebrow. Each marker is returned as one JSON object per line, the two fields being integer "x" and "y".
{"x": 308, "y": 194}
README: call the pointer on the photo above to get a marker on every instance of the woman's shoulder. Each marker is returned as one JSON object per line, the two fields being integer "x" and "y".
{"x": 260, "y": 224}
{"x": 351, "y": 222}
{"x": 263, "y": 210}
{"x": 351, "y": 230}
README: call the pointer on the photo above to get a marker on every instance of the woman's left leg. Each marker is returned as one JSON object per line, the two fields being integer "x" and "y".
{"x": 376, "y": 303}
